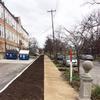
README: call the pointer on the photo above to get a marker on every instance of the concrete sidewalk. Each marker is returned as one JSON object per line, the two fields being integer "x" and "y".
{"x": 55, "y": 88}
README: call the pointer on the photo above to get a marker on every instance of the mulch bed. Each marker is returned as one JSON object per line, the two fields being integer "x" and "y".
{"x": 29, "y": 86}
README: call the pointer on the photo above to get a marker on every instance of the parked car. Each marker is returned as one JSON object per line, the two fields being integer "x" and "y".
{"x": 67, "y": 61}
{"x": 87, "y": 57}
{"x": 60, "y": 59}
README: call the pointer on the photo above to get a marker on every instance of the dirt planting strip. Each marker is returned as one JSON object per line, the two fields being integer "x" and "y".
{"x": 29, "y": 86}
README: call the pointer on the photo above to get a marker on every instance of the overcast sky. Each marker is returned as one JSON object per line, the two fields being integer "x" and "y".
{"x": 36, "y": 20}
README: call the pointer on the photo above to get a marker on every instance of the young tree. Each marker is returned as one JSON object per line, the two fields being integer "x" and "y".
{"x": 48, "y": 46}
{"x": 59, "y": 45}
{"x": 33, "y": 45}
{"x": 76, "y": 41}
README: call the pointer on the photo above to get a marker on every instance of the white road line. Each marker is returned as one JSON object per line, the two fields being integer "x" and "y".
{"x": 17, "y": 76}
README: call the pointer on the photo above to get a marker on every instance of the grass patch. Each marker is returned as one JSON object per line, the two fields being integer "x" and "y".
{"x": 95, "y": 93}
{"x": 66, "y": 75}
{"x": 98, "y": 59}
{"x": 75, "y": 80}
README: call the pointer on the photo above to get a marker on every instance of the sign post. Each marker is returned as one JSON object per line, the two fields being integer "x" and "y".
{"x": 71, "y": 68}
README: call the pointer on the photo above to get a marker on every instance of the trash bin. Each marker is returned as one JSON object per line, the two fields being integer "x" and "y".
{"x": 11, "y": 54}
{"x": 24, "y": 55}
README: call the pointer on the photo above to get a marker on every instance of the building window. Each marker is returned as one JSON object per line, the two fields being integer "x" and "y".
{"x": 1, "y": 12}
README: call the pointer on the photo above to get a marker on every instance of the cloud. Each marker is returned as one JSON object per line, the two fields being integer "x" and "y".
{"x": 34, "y": 16}
{"x": 36, "y": 20}
{"x": 71, "y": 12}
{"x": 47, "y": 4}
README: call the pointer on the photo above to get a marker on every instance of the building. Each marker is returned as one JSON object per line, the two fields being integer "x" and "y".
{"x": 12, "y": 33}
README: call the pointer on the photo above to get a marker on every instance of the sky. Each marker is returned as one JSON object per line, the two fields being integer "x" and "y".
{"x": 37, "y": 21}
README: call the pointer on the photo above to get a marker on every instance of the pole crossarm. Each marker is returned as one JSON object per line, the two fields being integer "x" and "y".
{"x": 52, "y": 19}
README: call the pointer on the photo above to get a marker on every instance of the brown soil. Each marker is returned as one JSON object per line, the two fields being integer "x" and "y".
{"x": 29, "y": 86}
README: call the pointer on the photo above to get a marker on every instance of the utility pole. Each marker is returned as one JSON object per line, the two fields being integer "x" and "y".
{"x": 52, "y": 11}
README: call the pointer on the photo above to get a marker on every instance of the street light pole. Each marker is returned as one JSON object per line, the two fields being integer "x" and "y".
{"x": 52, "y": 11}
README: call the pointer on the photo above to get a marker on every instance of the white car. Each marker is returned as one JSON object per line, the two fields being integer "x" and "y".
{"x": 67, "y": 61}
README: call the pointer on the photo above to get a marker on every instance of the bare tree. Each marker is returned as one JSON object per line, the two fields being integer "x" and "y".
{"x": 33, "y": 45}
{"x": 49, "y": 46}
{"x": 76, "y": 40}
{"x": 93, "y": 2}
{"x": 90, "y": 30}
{"x": 84, "y": 35}
{"x": 59, "y": 44}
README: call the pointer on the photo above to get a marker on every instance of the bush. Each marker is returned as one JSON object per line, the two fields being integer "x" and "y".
{"x": 96, "y": 93}
{"x": 58, "y": 64}
{"x": 76, "y": 81}
{"x": 75, "y": 75}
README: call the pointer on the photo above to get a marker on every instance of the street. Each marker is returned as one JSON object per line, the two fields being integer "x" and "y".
{"x": 95, "y": 72}
{"x": 9, "y": 69}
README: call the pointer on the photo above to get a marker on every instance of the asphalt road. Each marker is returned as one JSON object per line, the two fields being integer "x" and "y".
{"x": 10, "y": 69}
{"x": 95, "y": 72}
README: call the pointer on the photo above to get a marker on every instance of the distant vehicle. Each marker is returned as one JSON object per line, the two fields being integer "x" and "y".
{"x": 67, "y": 61}
{"x": 24, "y": 55}
{"x": 82, "y": 56}
{"x": 87, "y": 57}
{"x": 11, "y": 54}
{"x": 60, "y": 59}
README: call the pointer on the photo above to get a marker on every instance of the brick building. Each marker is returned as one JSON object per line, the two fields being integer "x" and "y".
{"x": 12, "y": 33}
